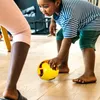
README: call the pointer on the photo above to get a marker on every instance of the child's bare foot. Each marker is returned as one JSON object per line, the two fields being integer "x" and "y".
{"x": 63, "y": 68}
{"x": 85, "y": 79}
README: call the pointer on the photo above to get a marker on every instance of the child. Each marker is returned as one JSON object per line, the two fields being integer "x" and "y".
{"x": 79, "y": 20}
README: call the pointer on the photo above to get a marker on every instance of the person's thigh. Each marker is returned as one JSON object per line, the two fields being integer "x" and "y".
{"x": 12, "y": 19}
{"x": 88, "y": 39}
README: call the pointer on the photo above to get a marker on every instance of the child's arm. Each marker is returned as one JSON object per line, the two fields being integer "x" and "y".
{"x": 52, "y": 27}
{"x": 64, "y": 51}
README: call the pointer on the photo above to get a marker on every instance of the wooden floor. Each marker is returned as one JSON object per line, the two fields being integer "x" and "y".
{"x": 61, "y": 88}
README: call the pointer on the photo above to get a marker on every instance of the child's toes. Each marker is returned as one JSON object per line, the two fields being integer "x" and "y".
{"x": 75, "y": 80}
{"x": 80, "y": 81}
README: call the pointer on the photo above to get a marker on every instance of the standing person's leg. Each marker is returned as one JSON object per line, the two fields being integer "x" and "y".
{"x": 12, "y": 19}
{"x": 87, "y": 44}
{"x": 63, "y": 68}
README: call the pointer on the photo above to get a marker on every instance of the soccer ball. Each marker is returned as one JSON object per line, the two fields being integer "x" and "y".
{"x": 45, "y": 72}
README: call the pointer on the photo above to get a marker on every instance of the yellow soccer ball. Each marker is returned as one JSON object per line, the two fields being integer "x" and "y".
{"x": 45, "y": 72}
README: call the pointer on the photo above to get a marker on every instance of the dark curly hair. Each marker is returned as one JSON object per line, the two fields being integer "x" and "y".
{"x": 51, "y": 0}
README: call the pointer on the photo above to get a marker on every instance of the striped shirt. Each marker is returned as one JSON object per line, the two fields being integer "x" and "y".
{"x": 77, "y": 15}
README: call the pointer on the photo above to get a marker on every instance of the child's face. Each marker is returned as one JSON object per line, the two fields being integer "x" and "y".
{"x": 46, "y": 7}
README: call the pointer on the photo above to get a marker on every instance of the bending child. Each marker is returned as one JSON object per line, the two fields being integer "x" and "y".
{"x": 79, "y": 20}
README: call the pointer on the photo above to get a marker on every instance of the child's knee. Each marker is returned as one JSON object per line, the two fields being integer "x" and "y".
{"x": 23, "y": 35}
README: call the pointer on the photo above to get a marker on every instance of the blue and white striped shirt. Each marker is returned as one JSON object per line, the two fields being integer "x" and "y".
{"x": 77, "y": 15}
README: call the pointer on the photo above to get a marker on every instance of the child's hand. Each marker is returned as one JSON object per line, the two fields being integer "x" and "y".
{"x": 54, "y": 62}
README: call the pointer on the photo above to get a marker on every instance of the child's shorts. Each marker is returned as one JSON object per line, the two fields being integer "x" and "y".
{"x": 87, "y": 39}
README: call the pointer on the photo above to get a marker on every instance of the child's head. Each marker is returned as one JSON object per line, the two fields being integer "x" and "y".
{"x": 49, "y": 7}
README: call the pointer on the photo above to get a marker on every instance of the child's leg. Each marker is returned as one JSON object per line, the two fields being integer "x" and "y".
{"x": 12, "y": 19}
{"x": 89, "y": 61}
{"x": 87, "y": 44}
{"x": 63, "y": 68}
